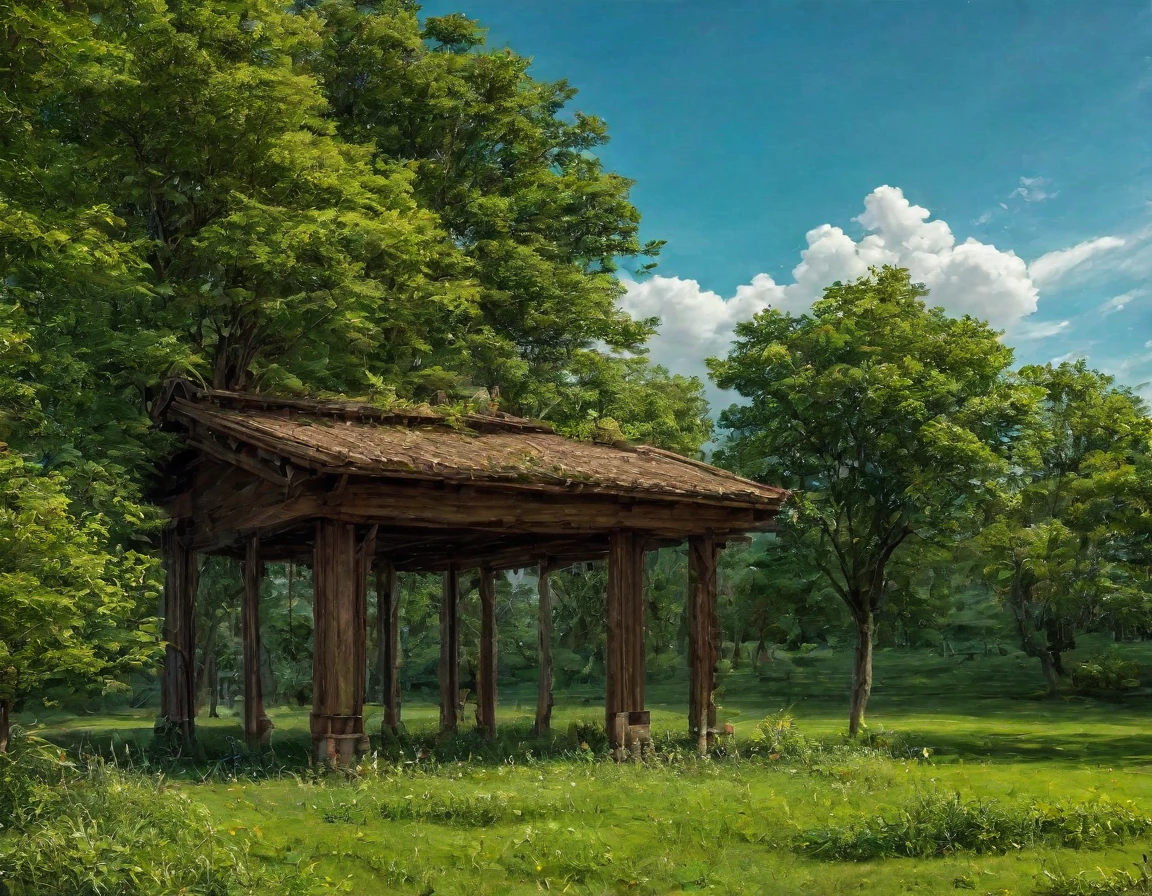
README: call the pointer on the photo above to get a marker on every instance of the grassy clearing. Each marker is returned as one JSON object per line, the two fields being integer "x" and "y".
{"x": 1056, "y": 789}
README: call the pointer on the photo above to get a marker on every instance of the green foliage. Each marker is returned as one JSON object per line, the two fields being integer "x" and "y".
{"x": 1057, "y": 551}
{"x": 886, "y": 418}
{"x": 93, "y": 830}
{"x": 778, "y": 737}
{"x": 940, "y": 824}
{"x": 1117, "y": 883}
{"x": 66, "y": 593}
{"x": 1107, "y": 672}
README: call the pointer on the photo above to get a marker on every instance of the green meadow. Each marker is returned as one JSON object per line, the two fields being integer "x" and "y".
{"x": 968, "y": 779}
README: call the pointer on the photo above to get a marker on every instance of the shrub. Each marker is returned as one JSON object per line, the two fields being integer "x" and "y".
{"x": 942, "y": 824}
{"x": 663, "y": 666}
{"x": 777, "y": 737}
{"x": 1108, "y": 672}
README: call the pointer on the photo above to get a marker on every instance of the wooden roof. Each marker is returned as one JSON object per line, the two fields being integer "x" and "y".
{"x": 411, "y": 467}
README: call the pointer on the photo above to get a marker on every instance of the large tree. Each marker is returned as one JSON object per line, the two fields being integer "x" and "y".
{"x": 886, "y": 418}
{"x": 325, "y": 197}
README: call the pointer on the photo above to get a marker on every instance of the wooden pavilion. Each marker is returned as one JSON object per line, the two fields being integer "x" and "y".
{"x": 356, "y": 491}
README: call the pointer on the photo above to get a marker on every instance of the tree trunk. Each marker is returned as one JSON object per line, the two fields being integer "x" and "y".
{"x": 1051, "y": 673}
{"x": 213, "y": 688}
{"x": 5, "y": 725}
{"x": 861, "y": 672}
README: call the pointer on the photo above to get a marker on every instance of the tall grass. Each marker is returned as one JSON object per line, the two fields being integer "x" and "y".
{"x": 89, "y": 829}
{"x": 938, "y": 824}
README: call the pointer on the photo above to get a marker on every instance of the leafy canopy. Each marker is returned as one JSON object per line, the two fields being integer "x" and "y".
{"x": 885, "y": 416}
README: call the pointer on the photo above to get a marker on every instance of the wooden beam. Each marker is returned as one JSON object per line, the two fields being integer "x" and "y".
{"x": 243, "y": 502}
{"x": 388, "y": 657}
{"x": 449, "y": 665}
{"x": 703, "y": 640}
{"x": 257, "y": 725}
{"x": 624, "y": 686}
{"x": 338, "y": 658}
{"x": 178, "y": 689}
{"x": 486, "y": 677}
{"x": 544, "y": 639}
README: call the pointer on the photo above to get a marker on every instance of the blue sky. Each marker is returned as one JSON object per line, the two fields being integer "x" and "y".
{"x": 756, "y": 130}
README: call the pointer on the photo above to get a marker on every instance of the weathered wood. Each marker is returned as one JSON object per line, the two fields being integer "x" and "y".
{"x": 365, "y": 560}
{"x": 624, "y": 686}
{"x": 544, "y": 640}
{"x": 486, "y": 677}
{"x": 449, "y": 666}
{"x": 178, "y": 689}
{"x": 388, "y": 657}
{"x": 257, "y": 725}
{"x": 252, "y": 504}
{"x": 338, "y": 658}
{"x": 703, "y": 640}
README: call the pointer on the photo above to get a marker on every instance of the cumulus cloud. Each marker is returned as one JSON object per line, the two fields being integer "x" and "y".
{"x": 1055, "y": 266}
{"x": 965, "y": 278}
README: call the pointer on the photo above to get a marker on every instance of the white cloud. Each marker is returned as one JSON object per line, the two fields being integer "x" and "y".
{"x": 1034, "y": 189}
{"x": 1039, "y": 330}
{"x": 1048, "y": 269}
{"x": 965, "y": 278}
{"x": 1078, "y": 354}
{"x": 1120, "y": 302}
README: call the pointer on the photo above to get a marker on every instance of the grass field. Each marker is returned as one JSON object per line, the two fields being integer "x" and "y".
{"x": 522, "y": 816}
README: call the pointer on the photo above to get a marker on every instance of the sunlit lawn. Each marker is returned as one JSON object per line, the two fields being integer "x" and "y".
{"x": 577, "y": 823}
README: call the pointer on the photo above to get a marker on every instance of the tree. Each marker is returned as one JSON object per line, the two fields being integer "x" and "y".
{"x": 65, "y": 596}
{"x": 1059, "y": 547}
{"x": 319, "y": 197}
{"x": 884, "y": 416}
{"x": 513, "y": 179}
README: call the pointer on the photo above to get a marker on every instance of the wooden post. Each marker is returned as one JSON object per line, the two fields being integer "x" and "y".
{"x": 449, "y": 668}
{"x": 624, "y": 697}
{"x": 257, "y": 725}
{"x": 486, "y": 679}
{"x": 544, "y": 638}
{"x": 178, "y": 691}
{"x": 388, "y": 658}
{"x": 703, "y": 639}
{"x": 339, "y": 635}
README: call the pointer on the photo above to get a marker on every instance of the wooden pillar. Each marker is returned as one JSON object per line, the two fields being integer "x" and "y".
{"x": 703, "y": 639}
{"x": 339, "y": 643}
{"x": 449, "y": 667}
{"x": 388, "y": 658}
{"x": 486, "y": 679}
{"x": 257, "y": 725}
{"x": 544, "y": 637}
{"x": 625, "y": 716}
{"x": 178, "y": 692}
